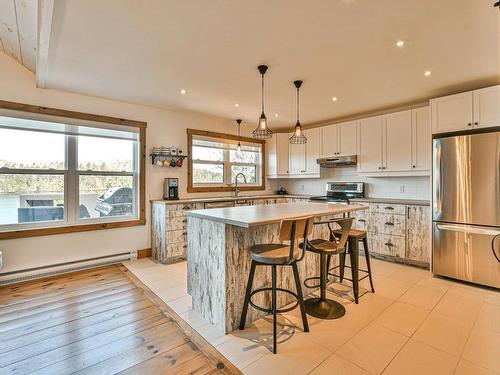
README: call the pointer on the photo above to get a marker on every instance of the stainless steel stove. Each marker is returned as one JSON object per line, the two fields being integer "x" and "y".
{"x": 341, "y": 192}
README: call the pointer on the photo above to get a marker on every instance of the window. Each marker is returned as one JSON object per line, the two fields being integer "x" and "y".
{"x": 58, "y": 171}
{"x": 215, "y": 162}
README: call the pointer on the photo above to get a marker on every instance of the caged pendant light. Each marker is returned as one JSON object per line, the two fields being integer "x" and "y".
{"x": 298, "y": 136}
{"x": 262, "y": 131}
{"x": 238, "y": 122}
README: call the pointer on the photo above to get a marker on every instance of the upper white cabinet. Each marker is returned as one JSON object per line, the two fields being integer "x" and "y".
{"x": 277, "y": 156}
{"x": 421, "y": 139}
{"x": 486, "y": 104}
{"x": 297, "y": 158}
{"x": 396, "y": 143}
{"x": 339, "y": 139}
{"x": 313, "y": 150}
{"x": 282, "y": 154}
{"x": 370, "y": 134}
{"x": 472, "y": 109}
{"x": 285, "y": 160}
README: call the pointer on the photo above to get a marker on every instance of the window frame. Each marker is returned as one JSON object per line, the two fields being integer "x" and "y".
{"x": 196, "y": 188}
{"x": 12, "y": 231}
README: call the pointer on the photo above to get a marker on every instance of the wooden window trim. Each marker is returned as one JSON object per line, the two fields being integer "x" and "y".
{"x": 206, "y": 189}
{"x": 23, "y": 233}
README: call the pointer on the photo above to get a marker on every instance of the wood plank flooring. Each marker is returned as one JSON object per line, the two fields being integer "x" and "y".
{"x": 94, "y": 322}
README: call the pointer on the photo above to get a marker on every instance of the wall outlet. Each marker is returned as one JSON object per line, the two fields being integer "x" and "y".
{"x": 301, "y": 187}
{"x": 402, "y": 188}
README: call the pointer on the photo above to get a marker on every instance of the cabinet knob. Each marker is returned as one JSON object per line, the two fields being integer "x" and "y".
{"x": 414, "y": 166}
{"x": 389, "y": 244}
{"x": 476, "y": 123}
{"x": 379, "y": 167}
{"x": 384, "y": 167}
{"x": 469, "y": 124}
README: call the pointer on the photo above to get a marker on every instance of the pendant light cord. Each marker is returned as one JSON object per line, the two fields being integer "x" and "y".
{"x": 298, "y": 104}
{"x": 262, "y": 93}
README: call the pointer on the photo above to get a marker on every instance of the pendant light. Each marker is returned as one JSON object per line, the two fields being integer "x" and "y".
{"x": 238, "y": 122}
{"x": 262, "y": 131}
{"x": 298, "y": 136}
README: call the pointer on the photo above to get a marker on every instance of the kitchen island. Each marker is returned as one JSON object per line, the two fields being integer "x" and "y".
{"x": 218, "y": 256}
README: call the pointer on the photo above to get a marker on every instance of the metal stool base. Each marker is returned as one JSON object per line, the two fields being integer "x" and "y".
{"x": 324, "y": 309}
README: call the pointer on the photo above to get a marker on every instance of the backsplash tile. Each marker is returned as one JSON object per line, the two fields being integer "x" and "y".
{"x": 375, "y": 187}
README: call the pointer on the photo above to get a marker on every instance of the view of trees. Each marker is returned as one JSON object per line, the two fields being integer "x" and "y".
{"x": 38, "y": 183}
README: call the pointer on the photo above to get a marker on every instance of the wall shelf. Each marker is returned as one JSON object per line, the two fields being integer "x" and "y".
{"x": 163, "y": 157}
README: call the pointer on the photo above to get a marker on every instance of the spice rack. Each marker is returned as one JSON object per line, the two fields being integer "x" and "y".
{"x": 160, "y": 156}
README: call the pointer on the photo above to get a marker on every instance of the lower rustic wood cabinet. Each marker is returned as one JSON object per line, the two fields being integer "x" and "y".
{"x": 169, "y": 225}
{"x": 396, "y": 231}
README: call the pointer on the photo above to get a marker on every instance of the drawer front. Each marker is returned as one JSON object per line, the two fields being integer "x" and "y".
{"x": 177, "y": 250}
{"x": 176, "y": 223}
{"x": 387, "y": 224}
{"x": 360, "y": 223}
{"x": 361, "y": 213}
{"x": 394, "y": 209}
{"x": 174, "y": 210}
{"x": 175, "y": 236}
{"x": 387, "y": 245}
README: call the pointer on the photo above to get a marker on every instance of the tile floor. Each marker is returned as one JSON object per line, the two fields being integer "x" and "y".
{"x": 414, "y": 324}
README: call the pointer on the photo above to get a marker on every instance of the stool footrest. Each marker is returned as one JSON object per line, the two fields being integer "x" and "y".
{"x": 312, "y": 278}
{"x": 270, "y": 311}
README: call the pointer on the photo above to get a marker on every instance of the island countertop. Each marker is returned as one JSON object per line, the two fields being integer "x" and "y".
{"x": 251, "y": 216}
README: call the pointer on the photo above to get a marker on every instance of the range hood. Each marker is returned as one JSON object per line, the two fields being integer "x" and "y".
{"x": 337, "y": 161}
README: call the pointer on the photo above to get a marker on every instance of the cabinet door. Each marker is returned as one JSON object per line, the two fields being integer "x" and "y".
{"x": 329, "y": 140}
{"x": 397, "y": 142}
{"x": 370, "y": 144}
{"x": 347, "y": 138}
{"x": 421, "y": 139}
{"x": 487, "y": 107}
{"x": 418, "y": 233}
{"x": 272, "y": 157}
{"x": 297, "y": 158}
{"x": 282, "y": 158}
{"x": 451, "y": 113}
{"x": 313, "y": 146}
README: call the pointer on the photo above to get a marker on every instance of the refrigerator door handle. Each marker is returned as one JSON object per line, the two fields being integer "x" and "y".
{"x": 437, "y": 180}
{"x": 468, "y": 229}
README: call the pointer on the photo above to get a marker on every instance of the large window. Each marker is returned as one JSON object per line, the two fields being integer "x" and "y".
{"x": 215, "y": 161}
{"x": 58, "y": 172}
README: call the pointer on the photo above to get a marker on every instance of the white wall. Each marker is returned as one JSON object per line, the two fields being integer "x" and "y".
{"x": 165, "y": 127}
{"x": 376, "y": 187}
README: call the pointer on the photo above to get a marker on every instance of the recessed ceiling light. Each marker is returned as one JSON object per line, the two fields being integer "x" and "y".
{"x": 236, "y": 104}
{"x": 276, "y": 115}
{"x": 183, "y": 92}
{"x": 334, "y": 99}
{"x": 427, "y": 73}
{"x": 400, "y": 43}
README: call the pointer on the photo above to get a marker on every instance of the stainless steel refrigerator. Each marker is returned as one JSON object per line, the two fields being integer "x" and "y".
{"x": 466, "y": 207}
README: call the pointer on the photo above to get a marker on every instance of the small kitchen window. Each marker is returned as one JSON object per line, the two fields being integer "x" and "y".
{"x": 64, "y": 171}
{"x": 215, "y": 161}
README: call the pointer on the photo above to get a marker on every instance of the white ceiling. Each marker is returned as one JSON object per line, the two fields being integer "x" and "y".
{"x": 146, "y": 51}
{"x": 18, "y": 34}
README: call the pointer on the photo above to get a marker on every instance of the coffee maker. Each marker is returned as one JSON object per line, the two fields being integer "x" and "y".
{"x": 171, "y": 189}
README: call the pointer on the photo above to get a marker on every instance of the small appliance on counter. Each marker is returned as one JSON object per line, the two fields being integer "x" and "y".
{"x": 341, "y": 192}
{"x": 171, "y": 188}
{"x": 282, "y": 191}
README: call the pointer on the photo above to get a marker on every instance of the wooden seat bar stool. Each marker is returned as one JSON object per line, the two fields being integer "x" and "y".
{"x": 322, "y": 307}
{"x": 355, "y": 236}
{"x": 279, "y": 254}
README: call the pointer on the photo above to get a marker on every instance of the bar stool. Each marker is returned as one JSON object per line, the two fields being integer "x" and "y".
{"x": 279, "y": 254}
{"x": 355, "y": 236}
{"x": 323, "y": 307}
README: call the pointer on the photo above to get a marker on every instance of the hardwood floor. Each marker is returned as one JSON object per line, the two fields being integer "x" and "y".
{"x": 94, "y": 322}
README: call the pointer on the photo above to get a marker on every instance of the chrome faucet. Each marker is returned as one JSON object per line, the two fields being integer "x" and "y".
{"x": 236, "y": 190}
